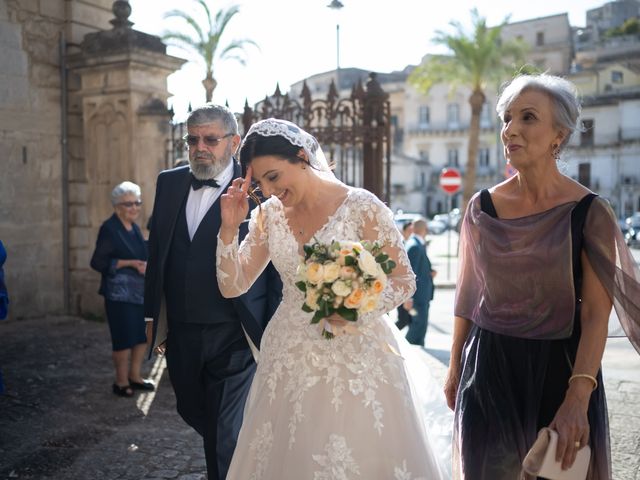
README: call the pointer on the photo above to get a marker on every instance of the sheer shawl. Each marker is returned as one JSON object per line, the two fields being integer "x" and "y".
{"x": 616, "y": 268}
{"x": 515, "y": 275}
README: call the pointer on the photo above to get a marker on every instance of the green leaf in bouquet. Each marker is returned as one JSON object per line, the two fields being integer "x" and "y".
{"x": 381, "y": 258}
{"x": 306, "y": 308}
{"x": 326, "y": 334}
{"x": 349, "y": 260}
{"x": 301, "y": 285}
{"x": 347, "y": 313}
{"x": 308, "y": 250}
{"x": 317, "y": 317}
{"x": 387, "y": 267}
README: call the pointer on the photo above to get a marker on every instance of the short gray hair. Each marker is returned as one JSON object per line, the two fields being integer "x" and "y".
{"x": 210, "y": 113}
{"x": 123, "y": 189}
{"x": 564, "y": 96}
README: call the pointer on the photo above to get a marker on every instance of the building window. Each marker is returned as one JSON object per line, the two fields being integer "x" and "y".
{"x": 540, "y": 39}
{"x": 485, "y": 116}
{"x": 452, "y": 157}
{"x": 617, "y": 76}
{"x": 423, "y": 116}
{"x": 584, "y": 174}
{"x": 483, "y": 157}
{"x": 453, "y": 114}
{"x": 586, "y": 136}
{"x": 424, "y": 155}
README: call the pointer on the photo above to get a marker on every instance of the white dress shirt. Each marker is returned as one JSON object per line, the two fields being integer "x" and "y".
{"x": 200, "y": 201}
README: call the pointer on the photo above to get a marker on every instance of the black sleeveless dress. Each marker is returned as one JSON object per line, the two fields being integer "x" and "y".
{"x": 511, "y": 387}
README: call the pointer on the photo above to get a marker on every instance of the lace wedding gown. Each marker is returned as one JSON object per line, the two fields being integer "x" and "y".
{"x": 327, "y": 409}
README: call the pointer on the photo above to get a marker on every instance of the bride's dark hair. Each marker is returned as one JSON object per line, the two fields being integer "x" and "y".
{"x": 256, "y": 145}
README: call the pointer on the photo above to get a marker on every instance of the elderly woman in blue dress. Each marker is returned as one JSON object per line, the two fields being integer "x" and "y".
{"x": 542, "y": 260}
{"x": 121, "y": 257}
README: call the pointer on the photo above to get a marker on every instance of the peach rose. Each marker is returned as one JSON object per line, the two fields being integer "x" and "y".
{"x": 378, "y": 285}
{"x": 354, "y": 300}
{"x": 346, "y": 273}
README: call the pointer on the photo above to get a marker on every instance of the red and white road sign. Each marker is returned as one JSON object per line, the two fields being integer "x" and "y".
{"x": 450, "y": 180}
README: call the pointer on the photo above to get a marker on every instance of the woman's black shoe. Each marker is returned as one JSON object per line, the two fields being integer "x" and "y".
{"x": 125, "y": 391}
{"x": 144, "y": 385}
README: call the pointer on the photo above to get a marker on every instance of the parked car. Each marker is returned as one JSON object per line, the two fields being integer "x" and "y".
{"x": 632, "y": 230}
{"x": 633, "y": 221}
{"x": 436, "y": 227}
{"x": 451, "y": 219}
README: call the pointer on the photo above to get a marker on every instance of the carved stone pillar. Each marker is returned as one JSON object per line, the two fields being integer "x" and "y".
{"x": 119, "y": 129}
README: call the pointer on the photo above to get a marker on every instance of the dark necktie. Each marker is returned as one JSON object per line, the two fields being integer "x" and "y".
{"x": 198, "y": 184}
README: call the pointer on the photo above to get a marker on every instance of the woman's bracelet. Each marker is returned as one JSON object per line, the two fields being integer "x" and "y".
{"x": 584, "y": 375}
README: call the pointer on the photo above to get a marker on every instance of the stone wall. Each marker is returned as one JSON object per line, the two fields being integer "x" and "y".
{"x": 117, "y": 125}
{"x": 30, "y": 185}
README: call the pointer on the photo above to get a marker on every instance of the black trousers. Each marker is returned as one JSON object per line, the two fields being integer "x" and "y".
{"x": 211, "y": 369}
{"x": 404, "y": 318}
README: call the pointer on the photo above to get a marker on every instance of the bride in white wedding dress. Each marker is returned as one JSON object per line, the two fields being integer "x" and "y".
{"x": 319, "y": 409}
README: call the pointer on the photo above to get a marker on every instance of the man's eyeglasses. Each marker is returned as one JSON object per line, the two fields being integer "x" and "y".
{"x": 209, "y": 140}
{"x": 137, "y": 203}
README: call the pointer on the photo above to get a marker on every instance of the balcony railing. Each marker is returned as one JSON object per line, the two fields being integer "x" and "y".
{"x": 439, "y": 128}
{"x": 623, "y": 135}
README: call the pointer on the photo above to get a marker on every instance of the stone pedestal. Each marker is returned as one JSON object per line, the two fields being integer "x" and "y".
{"x": 118, "y": 130}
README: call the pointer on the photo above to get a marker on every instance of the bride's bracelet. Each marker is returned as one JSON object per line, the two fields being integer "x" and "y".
{"x": 584, "y": 375}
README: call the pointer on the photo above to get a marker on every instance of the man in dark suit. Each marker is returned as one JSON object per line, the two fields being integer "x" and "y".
{"x": 404, "y": 317}
{"x": 206, "y": 338}
{"x": 421, "y": 265}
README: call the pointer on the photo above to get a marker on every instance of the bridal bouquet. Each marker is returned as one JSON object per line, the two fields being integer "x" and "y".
{"x": 343, "y": 277}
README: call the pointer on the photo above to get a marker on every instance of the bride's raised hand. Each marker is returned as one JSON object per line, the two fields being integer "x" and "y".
{"x": 234, "y": 204}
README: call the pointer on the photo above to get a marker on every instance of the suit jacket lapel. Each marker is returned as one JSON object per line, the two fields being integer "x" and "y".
{"x": 172, "y": 206}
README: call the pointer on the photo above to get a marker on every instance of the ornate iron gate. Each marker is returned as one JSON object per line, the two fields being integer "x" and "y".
{"x": 354, "y": 132}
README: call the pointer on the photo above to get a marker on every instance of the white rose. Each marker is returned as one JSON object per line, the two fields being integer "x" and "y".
{"x": 312, "y": 298}
{"x": 301, "y": 272}
{"x": 314, "y": 273}
{"x": 367, "y": 263}
{"x": 369, "y": 303}
{"x": 331, "y": 272}
{"x": 341, "y": 288}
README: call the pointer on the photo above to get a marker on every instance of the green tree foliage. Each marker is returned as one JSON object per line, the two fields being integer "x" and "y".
{"x": 631, "y": 26}
{"x": 477, "y": 58}
{"x": 206, "y": 42}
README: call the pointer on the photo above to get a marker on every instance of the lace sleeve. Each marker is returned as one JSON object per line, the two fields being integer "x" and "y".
{"x": 239, "y": 266}
{"x": 378, "y": 225}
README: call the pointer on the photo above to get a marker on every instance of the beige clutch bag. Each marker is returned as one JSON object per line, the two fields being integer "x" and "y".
{"x": 541, "y": 459}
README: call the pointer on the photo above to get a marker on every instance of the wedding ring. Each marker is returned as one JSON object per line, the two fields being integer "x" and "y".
{"x": 577, "y": 444}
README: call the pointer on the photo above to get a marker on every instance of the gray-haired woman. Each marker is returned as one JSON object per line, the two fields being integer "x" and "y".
{"x": 121, "y": 257}
{"x": 541, "y": 262}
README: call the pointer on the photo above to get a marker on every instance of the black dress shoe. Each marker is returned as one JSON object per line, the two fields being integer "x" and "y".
{"x": 126, "y": 391}
{"x": 144, "y": 385}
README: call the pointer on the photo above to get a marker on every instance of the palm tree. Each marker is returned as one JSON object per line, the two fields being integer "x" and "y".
{"x": 477, "y": 59}
{"x": 206, "y": 42}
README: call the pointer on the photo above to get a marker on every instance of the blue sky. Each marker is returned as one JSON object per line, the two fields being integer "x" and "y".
{"x": 297, "y": 38}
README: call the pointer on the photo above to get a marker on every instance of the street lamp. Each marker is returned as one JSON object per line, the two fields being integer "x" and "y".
{"x": 337, "y": 5}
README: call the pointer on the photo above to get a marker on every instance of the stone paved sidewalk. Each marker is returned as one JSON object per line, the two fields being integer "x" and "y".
{"x": 59, "y": 419}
